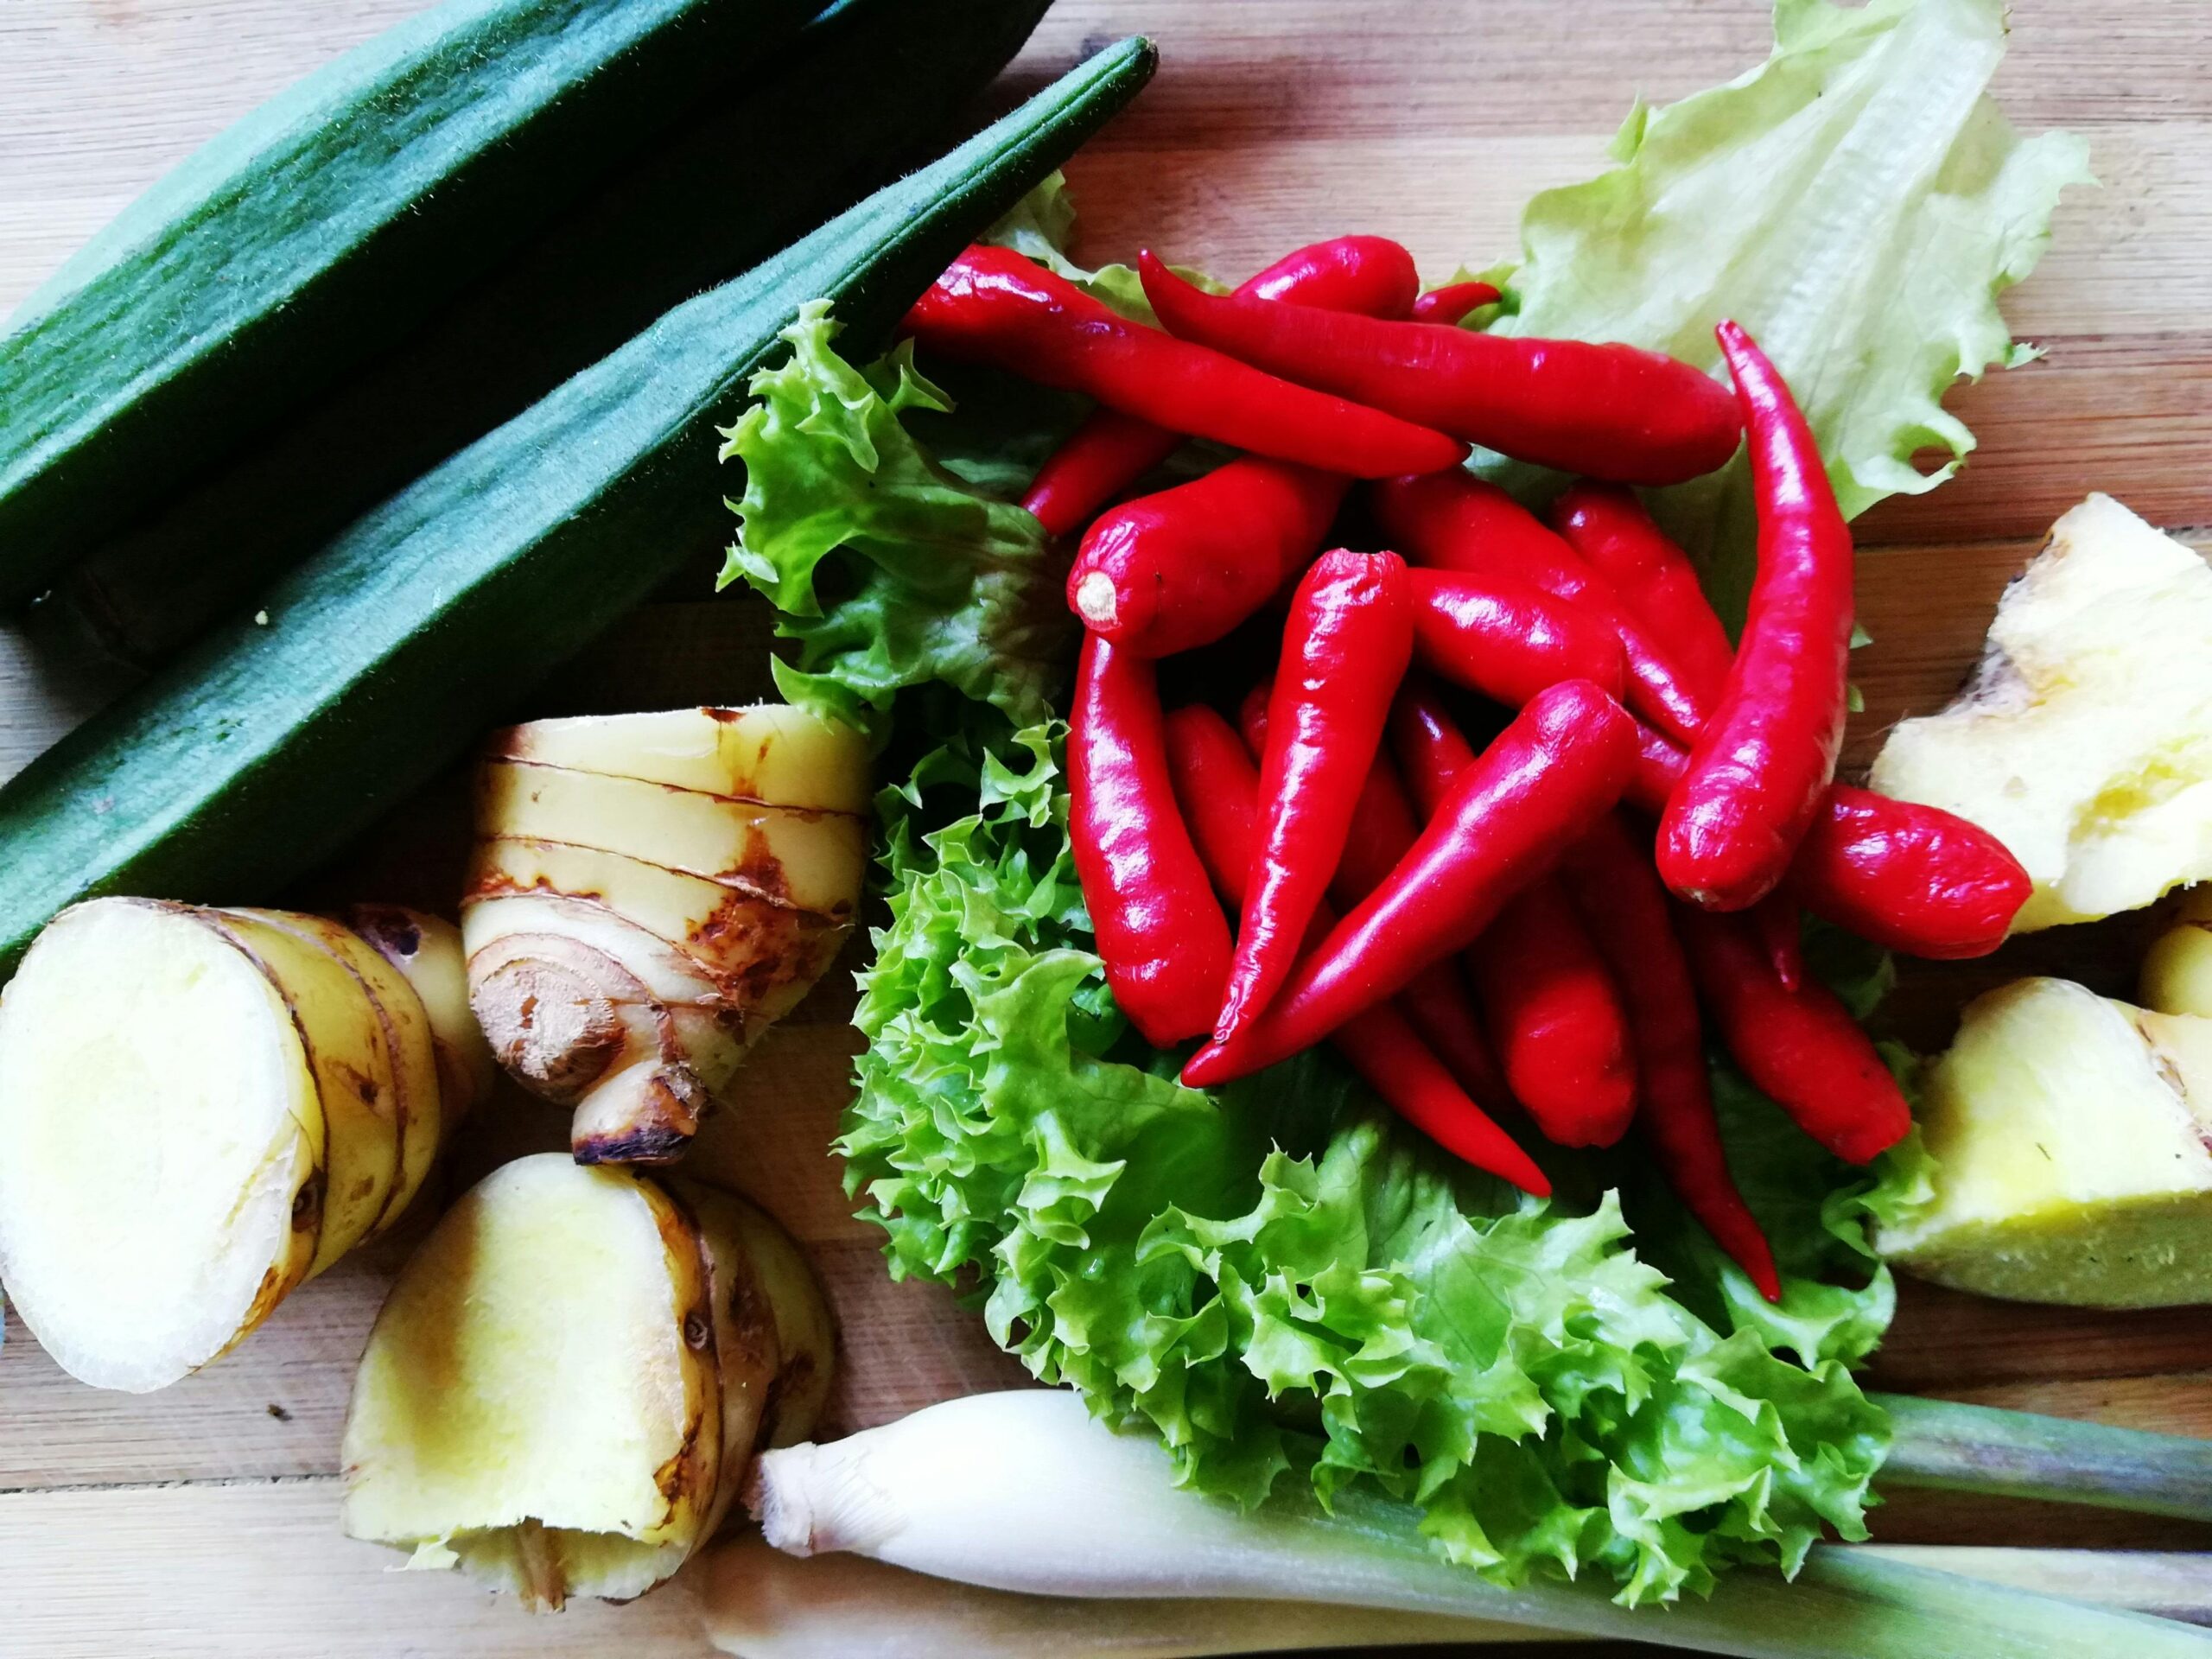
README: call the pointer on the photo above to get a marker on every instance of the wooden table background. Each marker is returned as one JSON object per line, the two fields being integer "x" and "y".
{"x": 202, "y": 1520}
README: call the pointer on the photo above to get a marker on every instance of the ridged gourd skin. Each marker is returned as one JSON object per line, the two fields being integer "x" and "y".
{"x": 757, "y": 152}
{"x": 318, "y": 230}
{"x": 266, "y": 747}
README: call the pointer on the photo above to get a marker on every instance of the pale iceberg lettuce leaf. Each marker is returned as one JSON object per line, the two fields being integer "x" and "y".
{"x": 1857, "y": 202}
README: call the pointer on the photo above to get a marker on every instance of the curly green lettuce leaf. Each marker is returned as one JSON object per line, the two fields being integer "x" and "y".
{"x": 1857, "y": 202}
{"x": 888, "y": 569}
{"x": 1041, "y": 226}
{"x": 1288, "y": 1284}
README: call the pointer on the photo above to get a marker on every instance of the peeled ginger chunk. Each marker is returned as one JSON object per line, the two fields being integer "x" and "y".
{"x": 162, "y": 1184}
{"x": 2070, "y": 1138}
{"x": 2084, "y": 742}
{"x": 568, "y": 1381}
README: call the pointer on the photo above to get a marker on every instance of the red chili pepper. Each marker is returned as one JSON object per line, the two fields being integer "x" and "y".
{"x": 1453, "y": 303}
{"x": 1218, "y": 789}
{"x": 1910, "y": 878}
{"x": 1436, "y": 1001}
{"x": 1161, "y": 936}
{"x": 1344, "y": 653}
{"x": 1371, "y": 275}
{"x": 1562, "y": 761}
{"x": 994, "y": 306}
{"x": 1432, "y": 751}
{"x": 1556, "y": 1018}
{"x": 1607, "y": 526}
{"x": 1906, "y": 877}
{"x": 1390, "y": 1054}
{"x": 1801, "y": 1049}
{"x": 1111, "y": 450}
{"x": 1454, "y": 522}
{"x": 1756, "y": 772}
{"x": 1507, "y": 638}
{"x": 1609, "y": 411}
{"x": 1608, "y": 874}
{"x": 1168, "y": 572}
{"x": 1775, "y": 919}
{"x": 1099, "y": 459}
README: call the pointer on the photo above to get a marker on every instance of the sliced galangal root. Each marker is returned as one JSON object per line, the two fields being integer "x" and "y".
{"x": 649, "y": 892}
{"x": 203, "y": 1108}
{"x": 571, "y": 1377}
{"x": 2072, "y": 1136}
{"x": 2084, "y": 742}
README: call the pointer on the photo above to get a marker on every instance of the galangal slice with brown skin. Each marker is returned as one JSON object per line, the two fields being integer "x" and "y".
{"x": 203, "y": 1108}
{"x": 630, "y": 933}
{"x": 567, "y": 1383}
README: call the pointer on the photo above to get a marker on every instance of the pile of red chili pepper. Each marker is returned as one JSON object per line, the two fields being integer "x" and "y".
{"x": 1548, "y": 924}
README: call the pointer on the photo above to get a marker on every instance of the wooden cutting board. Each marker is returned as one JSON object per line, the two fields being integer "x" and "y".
{"x": 202, "y": 1520}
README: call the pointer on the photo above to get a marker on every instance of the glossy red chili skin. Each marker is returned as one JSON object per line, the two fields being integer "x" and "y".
{"x": 1170, "y": 572}
{"x": 1910, "y": 878}
{"x": 1384, "y": 1049}
{"x": 1780, "y": 926}
{"x": 994, "y": 306}
{"x": 1371, "y": 275}
{"x": 1453, "y": 303}
{"x": 1556, "y": 1018}
{"x": 1110, "y": 451}
{"x": 1758, "y": 771}
{"x": 1507, "y": 638}
{"x": 1436, "y": 1000}
{"x": 1432, "y": 751}
{"x": 1160, "y": 934}
{"x": 1802, "y": 1049}
{"x": 1604, "y": 410}
{"x": 1344, "y": 652}
{"x": 1608, "y": 874}
{"x": 1101, "y": 457}
{"x": 1450, "y": 521}
{"x": 1609, "y": 530}
{"x": 1217, "y": 788}
{"x": 1562, "y": 761}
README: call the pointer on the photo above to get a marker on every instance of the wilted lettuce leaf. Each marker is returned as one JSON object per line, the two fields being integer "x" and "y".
{"x": 1289, "y": 1285}
{"x": 1857, "y": 202}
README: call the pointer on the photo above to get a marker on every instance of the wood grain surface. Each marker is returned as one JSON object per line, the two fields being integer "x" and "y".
{"x": 201, "y": 1520}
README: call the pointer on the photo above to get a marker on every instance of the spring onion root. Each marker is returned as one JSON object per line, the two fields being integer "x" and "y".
{"x": 1025, "y": 1492}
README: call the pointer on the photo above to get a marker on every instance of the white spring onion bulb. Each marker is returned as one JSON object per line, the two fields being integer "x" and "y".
{"x": 1023, "y": 1491}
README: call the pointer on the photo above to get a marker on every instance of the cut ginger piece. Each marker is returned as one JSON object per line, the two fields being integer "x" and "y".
{"x": 2084, "y": 741}
{"x": 2072, "y": 1136}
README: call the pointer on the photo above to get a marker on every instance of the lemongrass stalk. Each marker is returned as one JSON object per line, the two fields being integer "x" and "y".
{"x": 2173, "y": 1584}
{"x": 1024, "y": 1491}
{"x": 758, "y": 1603}
{"x": 1943, "y": 1444}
